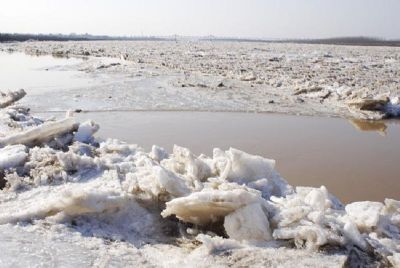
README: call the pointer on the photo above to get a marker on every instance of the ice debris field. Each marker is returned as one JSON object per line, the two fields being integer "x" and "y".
{"x": 97, "y": 202}
{"x": 341, "y": 81}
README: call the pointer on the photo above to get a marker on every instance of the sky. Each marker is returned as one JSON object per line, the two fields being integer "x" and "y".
{"x": 225, "y": 18}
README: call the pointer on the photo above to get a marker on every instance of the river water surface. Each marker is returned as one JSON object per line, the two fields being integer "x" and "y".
{"x": 355, "y": 160}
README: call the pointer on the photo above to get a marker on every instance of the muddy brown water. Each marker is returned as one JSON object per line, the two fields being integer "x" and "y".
{"x": 355, "y": 160}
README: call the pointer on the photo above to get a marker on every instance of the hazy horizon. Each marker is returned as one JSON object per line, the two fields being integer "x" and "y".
{"x": 200, "y": 36}
{"x": 268, "y": 19}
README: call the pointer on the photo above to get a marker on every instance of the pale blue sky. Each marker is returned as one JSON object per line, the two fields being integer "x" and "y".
{"x": 240, "y": 18}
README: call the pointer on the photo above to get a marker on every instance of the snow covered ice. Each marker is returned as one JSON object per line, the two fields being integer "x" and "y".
{"x": 345, "y": 81}
{"x": 100, "y": 202}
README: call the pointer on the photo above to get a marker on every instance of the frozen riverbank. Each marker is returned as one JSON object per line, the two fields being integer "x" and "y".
{"x": 356, "y": 82}
{"x": 110, "y": 203}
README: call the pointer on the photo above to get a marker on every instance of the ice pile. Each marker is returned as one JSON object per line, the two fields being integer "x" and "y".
{"x": 59, "y": 172}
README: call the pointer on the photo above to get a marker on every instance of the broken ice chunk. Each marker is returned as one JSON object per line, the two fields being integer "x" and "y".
{"x": 216, "y": 243}
{"x": 85, "y": 131}
{"x": 11, "y": 97}
{"x": 364, "y": 214}
{"x": 155, "y": 181}
{"x": 395, "y": 259}
{"x": 158, "y": 153}
{"x": 248, "y": 223}
{"x": 193, "y": 168}
{"x": 74, "y": 162}
{"x": 40, "y": 133}
{"x": 351, "y": 232}
{"x": 318, "y": 199}
{"x": 235, "y": 165}
{"x": 392, "y": 207}
{"x": 12, "y": 156}
{"x": 314, "y": 236}
{"x": 209, "y": 205}
{"x": 96, "y": 196}
{"x": 273, "y": 186}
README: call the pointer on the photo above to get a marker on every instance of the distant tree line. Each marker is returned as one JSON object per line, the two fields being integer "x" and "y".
{"x": 352, "y": 41}
{"x": 16, "y": 37}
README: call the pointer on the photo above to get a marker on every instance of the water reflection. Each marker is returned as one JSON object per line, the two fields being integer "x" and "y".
{"x": 369, "y": 125}
{"x": 40, "y": 74}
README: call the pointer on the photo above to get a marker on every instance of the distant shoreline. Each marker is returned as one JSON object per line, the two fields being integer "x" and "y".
{"x": 344, "y": 41}
{"x": 347, "y": 41}
{"x": 8, "y": 37}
